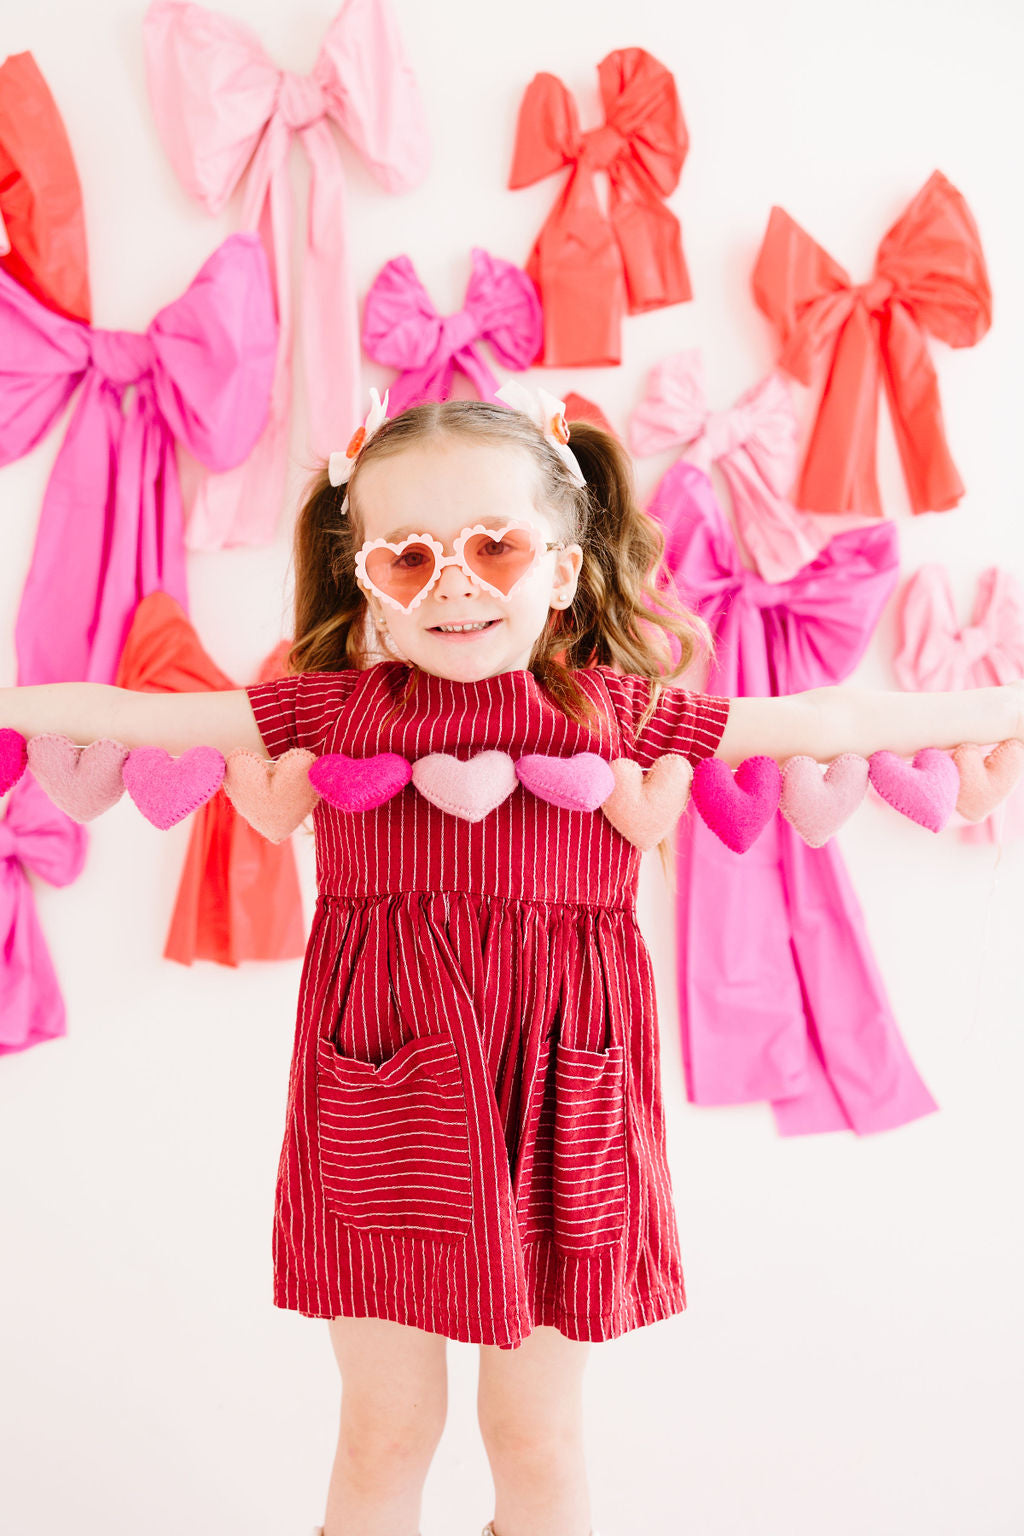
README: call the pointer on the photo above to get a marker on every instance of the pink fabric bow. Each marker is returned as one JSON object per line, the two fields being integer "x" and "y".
{"x": 934, "y": 654}
{"x": 753, "y": 444}
{"x": 402, "y": 329}
{"x": 34, "y": 836}
{"x": 226, "y": 112}
{"x": 111, "y": 525}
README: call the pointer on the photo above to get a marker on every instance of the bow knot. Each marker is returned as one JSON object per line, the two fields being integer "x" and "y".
{"x": 301, "y": 101}
{"x": 876, "y": 294}
{"x": 727, "y": 431}
{"x": 458, "y": 331}
{"x": 122, "y": 357}
{"x": 602, "y": 146}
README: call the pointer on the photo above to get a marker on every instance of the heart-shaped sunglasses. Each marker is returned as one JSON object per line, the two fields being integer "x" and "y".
{"x": 498, "y": 559}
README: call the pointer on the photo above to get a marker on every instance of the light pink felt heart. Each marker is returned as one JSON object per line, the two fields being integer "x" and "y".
{"x": 737, "y": 807}
{"x": 13, "y": 758}
{"x": 986, "y": 781}
{"x": 273, "y": 795}
{"x": 83, "y": 781}
{"x": 817, "y": 805}
{"x": 645, "y": 807}
{"x": 470, "y": 788}
{"x": 359, "y": 783}
{"x": 166, "y": 789}
{"x": 581, "y": 782}
{"x": 925, "y": 790}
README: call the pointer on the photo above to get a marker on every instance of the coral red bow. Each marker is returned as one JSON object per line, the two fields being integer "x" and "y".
{"x": 929, "y": 276}
{"x": 588, "y": 266}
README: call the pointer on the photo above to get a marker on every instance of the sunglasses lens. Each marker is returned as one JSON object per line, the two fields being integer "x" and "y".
{"x": 501, "y": 559}
{"x": 401, "y": 576}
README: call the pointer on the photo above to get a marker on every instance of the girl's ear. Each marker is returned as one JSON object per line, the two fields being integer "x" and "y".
{"x": 567, "y": 569}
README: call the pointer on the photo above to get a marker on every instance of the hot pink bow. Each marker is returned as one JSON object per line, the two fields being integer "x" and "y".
{"x": 402, "y": 329}
{"x": 754, "y": 446}
{"x": 226, "y": 112}
{"x": 111, "y": 525}
{"x": 34, "y": 836}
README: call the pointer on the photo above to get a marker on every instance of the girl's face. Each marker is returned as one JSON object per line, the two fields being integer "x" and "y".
{"x": 440, "y": 486}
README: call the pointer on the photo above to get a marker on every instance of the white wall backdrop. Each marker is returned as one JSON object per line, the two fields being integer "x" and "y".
{"x": 851, "y": 1359}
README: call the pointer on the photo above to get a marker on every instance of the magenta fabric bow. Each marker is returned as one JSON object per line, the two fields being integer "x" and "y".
{"x": 780, "y": 996}
{"x": 934, "y": 654}
{"x": 111, "y": 526}
{"x": 226, "y": 113}
{"x": 754, "y": 446}
{"x": 34, "y": 837}
{"x": 402, "y": 329}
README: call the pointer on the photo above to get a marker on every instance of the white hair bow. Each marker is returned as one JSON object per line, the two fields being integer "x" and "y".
{"x": 547, "y": 413}
{"x": 341, "y": 465}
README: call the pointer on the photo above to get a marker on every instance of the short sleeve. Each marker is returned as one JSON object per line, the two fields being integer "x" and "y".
{"x": 301, "y": 710}
{"x": 690, "y": 724}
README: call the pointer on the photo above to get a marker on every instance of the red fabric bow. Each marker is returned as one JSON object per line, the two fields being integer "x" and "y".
{"x": 238, "y": 897}
{"x": 929, "y": 276}
{"x": 588, "y": 266}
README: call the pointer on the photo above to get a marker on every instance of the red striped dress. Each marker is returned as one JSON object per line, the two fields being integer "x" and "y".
{"x": 475, "y": 1140}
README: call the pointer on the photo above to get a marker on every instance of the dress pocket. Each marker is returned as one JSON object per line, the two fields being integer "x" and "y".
{"x": 589, "y": 1166}
{"x": 393, "y": 1138}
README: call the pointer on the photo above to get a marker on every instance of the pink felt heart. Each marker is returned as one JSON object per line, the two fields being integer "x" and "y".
{"x": 166, "y": 789}
{"x": 359, "y": 783}
{"x": 816, "y": 806}
{"x": 645, "y": 808}
{"x": 925, "y": 790}
{"x": 986, "y": 781}
{"x": 581, "y": 782}
{"x": 470, "y": 788}
{"x": 83, "y": 781}
{"x": 13, "y": 758}
{"x": 273, "y": 795}
{"x": 737, "y": 807}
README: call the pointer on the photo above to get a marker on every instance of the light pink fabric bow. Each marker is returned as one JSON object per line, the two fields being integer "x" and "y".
{"x": 226, "y": 112}
{"x": 402, "y": 329}
{"x": 34, "y": 836}
{"x": 935, "y": 655}
{"x": 754, "y": 446}
{"x": 110, "y": 530}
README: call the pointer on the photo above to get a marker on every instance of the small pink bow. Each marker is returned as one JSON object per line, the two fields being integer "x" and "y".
{"x": 34, "y": 836}
{"x": 226, "y": 112}
{"x": 754, "y": 446}
{"x": 402, "y": 329}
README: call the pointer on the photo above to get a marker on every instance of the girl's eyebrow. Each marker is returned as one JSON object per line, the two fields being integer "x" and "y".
{"x": 399, "y": 533}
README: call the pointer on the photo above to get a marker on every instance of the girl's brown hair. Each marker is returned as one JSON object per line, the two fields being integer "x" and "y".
{"x": 622, "y": 615}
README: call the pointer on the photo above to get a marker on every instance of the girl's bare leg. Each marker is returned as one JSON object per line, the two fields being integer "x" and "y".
{"x": 530, "y": 1408}
{"x": 394, "y": 1401}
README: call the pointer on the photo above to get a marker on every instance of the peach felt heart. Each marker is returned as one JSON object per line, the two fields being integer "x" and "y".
{"x": 83, "y": 781}
{"x": 359, "y": 783}
{"x": 581, "y": 782}
{"x": 166, "y": 789}
{"x": 925, "y": 790}
{"x": 13, "y": 758}
{"x": 737, "y": 807}
{"x": 816, "y": 806}
{"x": 273, "y": 795}
{"x": 470, "y": 788}
{"x": 646, "y": 807}
{"x": 986, "y": 781}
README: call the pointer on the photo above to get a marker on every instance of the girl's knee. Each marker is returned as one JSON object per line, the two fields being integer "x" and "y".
{"x": 384, "y": 1443}
{"x": 527, "y": 1442}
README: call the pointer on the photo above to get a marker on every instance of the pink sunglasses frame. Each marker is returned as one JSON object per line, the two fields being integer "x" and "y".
{"x": 540, "y": 548}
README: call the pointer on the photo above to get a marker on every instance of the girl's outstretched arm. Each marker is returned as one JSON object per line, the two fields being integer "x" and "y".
{"x": 824, "y": 722}
{"x": 86, "y": 712}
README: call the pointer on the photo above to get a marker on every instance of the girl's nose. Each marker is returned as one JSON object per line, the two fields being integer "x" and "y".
{"x": 453, "y": 582}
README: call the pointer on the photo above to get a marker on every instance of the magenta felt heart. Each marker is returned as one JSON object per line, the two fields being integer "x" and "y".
{"x": 925, "y": 789}
{"x": 13, "y": 758}
{"x": 986, "y": 781}
{"x": 816, "y": 806}
{"x": 274, "y": 796}
{"x": 577, "y": 783}
{"x": 737, "y": 806}
{"x": 470, "y": 788}
{"x": 165, "y": 788}
{"x": 359, "y": 783}
{"x": 83, "y": 781}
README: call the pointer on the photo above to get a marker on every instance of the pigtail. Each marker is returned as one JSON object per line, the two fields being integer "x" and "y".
{"x": 330, "y": 611}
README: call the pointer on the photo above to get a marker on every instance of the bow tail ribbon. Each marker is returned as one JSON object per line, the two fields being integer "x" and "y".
{"x": 912, "y": 387}
{"x": 649, "y": 240}
{"x": 576, "y": 262}
{"x": 839, "y": 470}
{"x": 330, "y": 335}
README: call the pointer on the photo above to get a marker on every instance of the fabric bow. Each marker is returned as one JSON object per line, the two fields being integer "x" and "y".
{"x": 42, "y": 226}
{"x": 589, "y": 266}
{"x": 929, "y": 276}
{"x": 238, "y": 897}
{"x": 111, "y": 524}
{"x": 754, "y": 447}
{"x": 36, "y": 838}
{"x": 225, "y": 112}
{"x": 402, "y": 329}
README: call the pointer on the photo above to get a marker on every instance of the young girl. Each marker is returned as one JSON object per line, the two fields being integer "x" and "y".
{"x": 475, "y": 1144}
